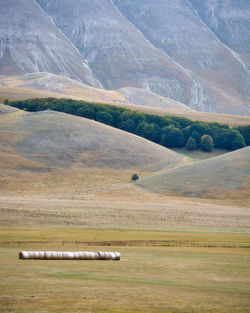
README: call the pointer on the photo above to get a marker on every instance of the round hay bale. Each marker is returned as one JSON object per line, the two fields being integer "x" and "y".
{"x": 31, "y": 255}
{"x": 117, "y": 256}
{"x": 48, "y": 255}
{"x": 59, "y": 255}
{"x": 76, "y": 255}
{"x": 41, "y": 255}
{"x": 102, "y": 255}
{"x": 113, "y": 256}
{"x": 36, "y": 255}
{"x": 108, "y": 256}
{"x": 64, "y": 255}
{"x": 81, "y": 255}
{"x": 91, "y": 255}
{"x": 97, "y": 256}
{"x": 86, "y": 255}
{"x": 54, "y": 255}
{"x": 70, "y": 255}
{"x": 24, "y": 255}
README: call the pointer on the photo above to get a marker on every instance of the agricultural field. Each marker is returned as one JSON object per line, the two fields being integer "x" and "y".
{"x": 178, "y": 254}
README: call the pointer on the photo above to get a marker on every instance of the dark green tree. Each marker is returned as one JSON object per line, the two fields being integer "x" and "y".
{"x": 191, "y": 144}
{"x": 172, "y": 137}
{"x": 206, "y": 143}
{"x": 127, "y": 125}
{"x": 245, "y": 132}
{"x": 134, "y": 177}
{"x": 86, "y": 111}
{"x": 236, "y": 140}
{"x": 147, "y": 131}
{"x": 104, "y": 117}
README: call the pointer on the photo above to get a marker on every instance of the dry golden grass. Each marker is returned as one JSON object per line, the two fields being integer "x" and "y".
{"x": 128, "y": 211}
{"x": 225, "y": 176}
{"x": 145, "y": 280}
{"x": 36, "y": 86}
{"x": 66, "y": 206}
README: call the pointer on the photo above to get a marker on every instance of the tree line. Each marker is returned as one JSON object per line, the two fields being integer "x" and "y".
{"x": 168, "y": 131}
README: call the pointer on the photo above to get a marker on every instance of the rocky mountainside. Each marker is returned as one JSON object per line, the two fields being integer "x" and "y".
{"x": 219, "y": 78}
{"x": 117, "y": 52}
{"x": 230, "y": 21}
{"x": 31, "y": 42}
{"x": 196, "y": 52}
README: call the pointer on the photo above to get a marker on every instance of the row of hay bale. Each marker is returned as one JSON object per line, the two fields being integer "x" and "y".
{"x": 80, "y": 255}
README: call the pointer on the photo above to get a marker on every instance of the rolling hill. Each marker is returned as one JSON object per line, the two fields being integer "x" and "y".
{"x": 54, "y": 150}
{"x": 225, "y": 176}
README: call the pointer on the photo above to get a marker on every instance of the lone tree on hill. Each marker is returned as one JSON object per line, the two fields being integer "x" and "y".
{"x": 207, "y": 143}
{"x": 134, "y": 177}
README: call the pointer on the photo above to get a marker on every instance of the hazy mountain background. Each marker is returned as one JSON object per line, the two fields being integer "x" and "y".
{"x": 196, "y": 52}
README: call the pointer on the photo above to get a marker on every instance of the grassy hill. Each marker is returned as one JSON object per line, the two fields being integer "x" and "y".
{"x": 49, "y": 149}
{"x": 225, "y": 176}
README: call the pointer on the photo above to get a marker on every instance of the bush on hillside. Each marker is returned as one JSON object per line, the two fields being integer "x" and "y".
{"x": 134, "y": 177}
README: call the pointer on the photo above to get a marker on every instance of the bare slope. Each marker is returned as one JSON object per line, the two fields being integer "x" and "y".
{"x": 118, "y": 54}
{"x": 59, "y": 140}
{"x": 220, "y": 80}
{"x": 5, "y": 109}
{"x": 30, "y": 42}
{"x": 147, "y": 98}
{"x": 223, "y": 176}
{"x": 51, "y": 85}
{"x": 230, "y": 21}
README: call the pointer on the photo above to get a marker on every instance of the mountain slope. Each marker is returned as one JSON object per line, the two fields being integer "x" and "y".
{"x": 119, "y": 55}
{"x": 227, "y": 175}
{"x": 230, "y": 21}
{"x": 220, "y": 80}
{"x": 30, "y": 42}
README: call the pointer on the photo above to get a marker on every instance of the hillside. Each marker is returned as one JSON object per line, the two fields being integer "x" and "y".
{"x": 43, "y": 85}
{"x": 225, "y": 176}
{"x": 229, "y": 20}
{"x": 118, "y": 54}
{"x": 193, "y": 52}
{"x": 30, "y": 42}
{"x": 50, "y": 148}
{"x": 220, "y": 80}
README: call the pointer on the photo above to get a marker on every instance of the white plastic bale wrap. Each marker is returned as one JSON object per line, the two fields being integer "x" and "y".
{"x": 79, "y": 255}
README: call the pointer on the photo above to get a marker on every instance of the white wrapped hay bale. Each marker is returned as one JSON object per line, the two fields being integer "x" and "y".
{"x": 79, "y": 255}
